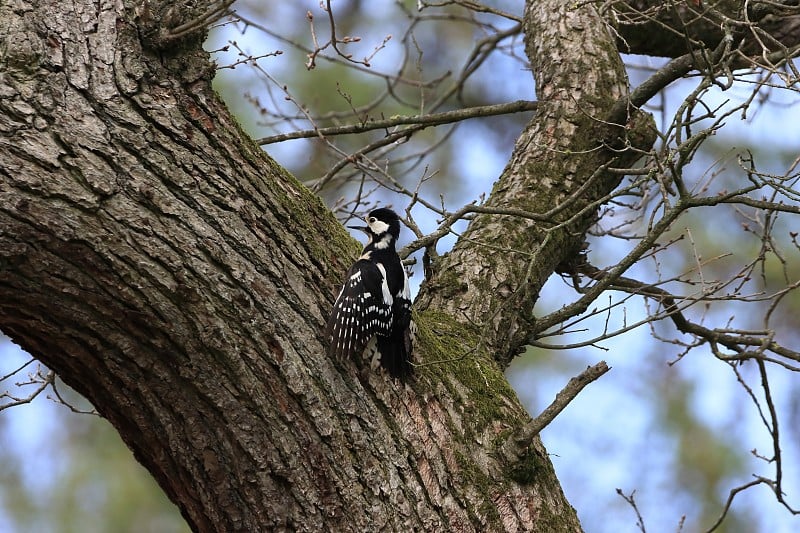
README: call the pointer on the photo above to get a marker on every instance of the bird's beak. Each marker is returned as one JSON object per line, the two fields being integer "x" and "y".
{"x": 365, "y": 229}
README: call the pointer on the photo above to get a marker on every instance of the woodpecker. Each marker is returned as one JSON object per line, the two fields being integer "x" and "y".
{"x": 372, "y": 314}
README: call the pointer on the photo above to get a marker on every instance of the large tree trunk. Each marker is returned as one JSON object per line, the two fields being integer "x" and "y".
{"x": 169, "y": 271}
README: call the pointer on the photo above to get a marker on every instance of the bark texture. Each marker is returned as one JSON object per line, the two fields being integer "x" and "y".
{"x": 174, "y": 275}
{"x": 671, "y": 29}
{"x": 558, "y": 160}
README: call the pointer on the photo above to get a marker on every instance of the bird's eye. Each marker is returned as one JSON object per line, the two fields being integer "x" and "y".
{"x": 371, "y": 220}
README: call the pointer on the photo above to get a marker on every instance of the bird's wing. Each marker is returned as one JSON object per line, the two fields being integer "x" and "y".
{"x": 360, "y": 312}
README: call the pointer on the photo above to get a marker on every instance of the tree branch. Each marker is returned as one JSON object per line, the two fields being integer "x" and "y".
{"x": 673, "y": 29}
{"x": 553, "y": 158}
{"x": 520, "y": 441}
{"x": 737, "y": 343}
{"x": 433, "y": 119}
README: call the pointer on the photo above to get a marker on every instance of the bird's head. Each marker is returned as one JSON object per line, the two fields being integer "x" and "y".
{"x": 383, "y": 227}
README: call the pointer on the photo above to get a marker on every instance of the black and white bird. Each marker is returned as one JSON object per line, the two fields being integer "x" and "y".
{"x": 372, "y": 314}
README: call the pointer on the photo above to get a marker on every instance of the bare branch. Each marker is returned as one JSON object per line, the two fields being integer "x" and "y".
{"x": 517, "y": 444}
{"x": 199, "y": 23}
{"x": 632, "y": 502}
{"x": 434, "y": 119}
{"x": 736, "y": 342}
{"x": 731, "y": 495}
{"x": 41, "y": 382}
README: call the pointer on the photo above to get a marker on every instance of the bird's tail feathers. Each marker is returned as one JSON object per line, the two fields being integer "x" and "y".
{"x": 396, "y": 354}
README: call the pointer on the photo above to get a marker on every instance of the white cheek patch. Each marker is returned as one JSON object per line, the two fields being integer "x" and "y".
{"x": 378, "y": 227}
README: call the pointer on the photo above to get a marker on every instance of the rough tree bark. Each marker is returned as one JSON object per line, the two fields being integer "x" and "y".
{"x": 172, "y": 273}
{"x": 579, "y": 77}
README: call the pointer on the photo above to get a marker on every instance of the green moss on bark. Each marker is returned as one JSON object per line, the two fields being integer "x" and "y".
{"x": 456, "y": 357}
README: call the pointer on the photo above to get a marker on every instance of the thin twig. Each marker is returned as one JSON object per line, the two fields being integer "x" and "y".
{"x": 632, "y": 502}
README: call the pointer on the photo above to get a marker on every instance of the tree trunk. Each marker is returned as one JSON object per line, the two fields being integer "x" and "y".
{"x": 168, "y": 270}
{"x": 559, "y": 160}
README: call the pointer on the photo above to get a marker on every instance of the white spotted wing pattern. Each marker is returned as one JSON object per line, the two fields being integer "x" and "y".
{"x": 362, "y": 310}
